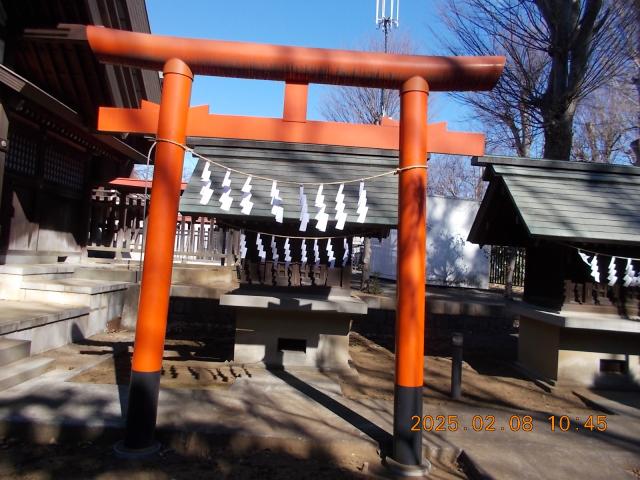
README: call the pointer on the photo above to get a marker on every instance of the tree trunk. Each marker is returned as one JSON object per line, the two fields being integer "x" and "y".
{"x": 366, "y": 258}
{"x": 635, "y": 145}
{"x": 558, "y": 134}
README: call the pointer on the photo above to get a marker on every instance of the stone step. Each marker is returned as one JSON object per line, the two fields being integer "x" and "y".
{"x": 38, "y": 269}
{"x": 197, "y": 275}
{"x": 43, "y": 325}
{"x": 121, "y": 274}
{"x": 13, "y": 350}
{"x": 75, "y": 285}
{"x": 104, "y": 299}
{"x": 12, "y": 276}
{"x": 16, "y": 316}
{"x": 23, "y": 370}
{"x": 71, "y": 291}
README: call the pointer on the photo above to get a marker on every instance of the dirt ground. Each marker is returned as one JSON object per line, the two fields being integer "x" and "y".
{"x": 191, "y": 364}
{"x": 484, "y": 381}
{"x": 194, "y": 364}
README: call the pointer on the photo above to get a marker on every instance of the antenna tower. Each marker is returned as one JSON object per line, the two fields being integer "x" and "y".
{"x": 387, "y": 18}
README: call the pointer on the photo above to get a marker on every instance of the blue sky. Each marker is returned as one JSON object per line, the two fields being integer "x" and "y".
{"x": 324, "y": 24}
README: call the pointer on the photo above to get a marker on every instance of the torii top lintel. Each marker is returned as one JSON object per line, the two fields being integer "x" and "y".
{"x": 297, "y": 67}
{"x": 292, "y": 64}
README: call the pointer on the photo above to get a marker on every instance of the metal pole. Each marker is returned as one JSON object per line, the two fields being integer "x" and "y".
{"x": 411, "y": 290}
{"x": 385, "y": 26}
{"x": 456, "y": 366}
{"x": 158, "y": 262}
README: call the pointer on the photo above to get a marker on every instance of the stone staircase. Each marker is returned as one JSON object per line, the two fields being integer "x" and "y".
{"x": 16, "y": 366}
{"x": 51, "y": 305}
{"x": 48, "y": 306}
{"x": 104, "y": 298}
{"x": 13, "y": 276}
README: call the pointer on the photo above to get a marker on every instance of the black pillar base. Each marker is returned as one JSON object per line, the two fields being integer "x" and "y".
{"x": 142, "y": 410}
{"x": 407, "y": 444}
{"x": 133, "y": 454}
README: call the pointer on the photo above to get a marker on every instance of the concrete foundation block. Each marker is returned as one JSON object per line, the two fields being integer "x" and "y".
{"x": 571, "y": 356}
{"x": 292, "y": 338}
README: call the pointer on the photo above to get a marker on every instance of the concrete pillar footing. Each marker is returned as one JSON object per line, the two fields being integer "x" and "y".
{"x": 399, "y": 470}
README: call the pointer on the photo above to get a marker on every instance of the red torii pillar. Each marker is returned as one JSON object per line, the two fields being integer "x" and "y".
{"x": 413, "y": 75}
{"x": 155, "y": 287}
{"x": 411, "y": 255}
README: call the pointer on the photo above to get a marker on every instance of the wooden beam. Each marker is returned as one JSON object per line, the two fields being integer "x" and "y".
{"x": 295, "y": 102}
{"x": 202, "y": 124}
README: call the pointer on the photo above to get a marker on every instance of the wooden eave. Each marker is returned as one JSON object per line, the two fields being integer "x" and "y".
{"x": 68, "y": 70}
{"x": 27, "y": 90}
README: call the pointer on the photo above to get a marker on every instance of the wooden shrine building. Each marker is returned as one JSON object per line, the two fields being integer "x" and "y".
{"x": 578, "y": 324}
{"x": 51, "y": 156}
{"x": 298, "y": 163}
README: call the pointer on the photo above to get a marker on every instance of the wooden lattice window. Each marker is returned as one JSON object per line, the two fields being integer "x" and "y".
{"x": 22, "y": 154}
{"x": 63, "y": 167}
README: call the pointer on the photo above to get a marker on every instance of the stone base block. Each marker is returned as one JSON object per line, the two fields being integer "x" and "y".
{"x": 283, "y": 338}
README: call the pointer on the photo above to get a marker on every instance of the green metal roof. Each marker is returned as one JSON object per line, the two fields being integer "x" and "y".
{"x": 295, "y": 162}
{"x": 579, "y": 202}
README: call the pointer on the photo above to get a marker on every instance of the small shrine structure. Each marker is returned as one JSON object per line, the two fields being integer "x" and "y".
{"x": 294, "y": 306}
{"x": 580, "y": 225}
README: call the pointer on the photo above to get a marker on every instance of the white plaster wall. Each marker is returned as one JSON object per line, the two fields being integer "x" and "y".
{"x": 451, "y": 260}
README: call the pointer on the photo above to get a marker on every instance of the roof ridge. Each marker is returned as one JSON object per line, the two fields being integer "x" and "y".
{"x": 543, "y": 163}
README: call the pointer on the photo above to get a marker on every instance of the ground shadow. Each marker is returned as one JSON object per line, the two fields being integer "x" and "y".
{"x": 382, "y": 437}
{"x": 93, "y": 459}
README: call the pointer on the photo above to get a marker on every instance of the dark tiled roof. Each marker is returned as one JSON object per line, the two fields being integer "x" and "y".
{"x": 296, "y": 162}
{"x": 574, "y": 201}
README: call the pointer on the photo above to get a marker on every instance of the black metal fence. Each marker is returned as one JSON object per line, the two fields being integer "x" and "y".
{"x": 500, "y": 263}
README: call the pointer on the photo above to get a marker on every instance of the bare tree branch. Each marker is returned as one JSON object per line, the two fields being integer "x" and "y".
{"x": 362, "y": 105}
{"x": 454, "y": 177}
{"x": 558, "y": 53}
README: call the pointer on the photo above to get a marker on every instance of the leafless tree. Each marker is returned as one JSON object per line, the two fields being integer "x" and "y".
{"x": 362, "y": 105}
{"x": 454, "y": 177}
{"x": 558, "y": 52}
{"x": 630, "y": 32}
{"x": 606, "y": 123}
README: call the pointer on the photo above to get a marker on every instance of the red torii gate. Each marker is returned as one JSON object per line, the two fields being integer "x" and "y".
{"x": 172, "y": 121}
